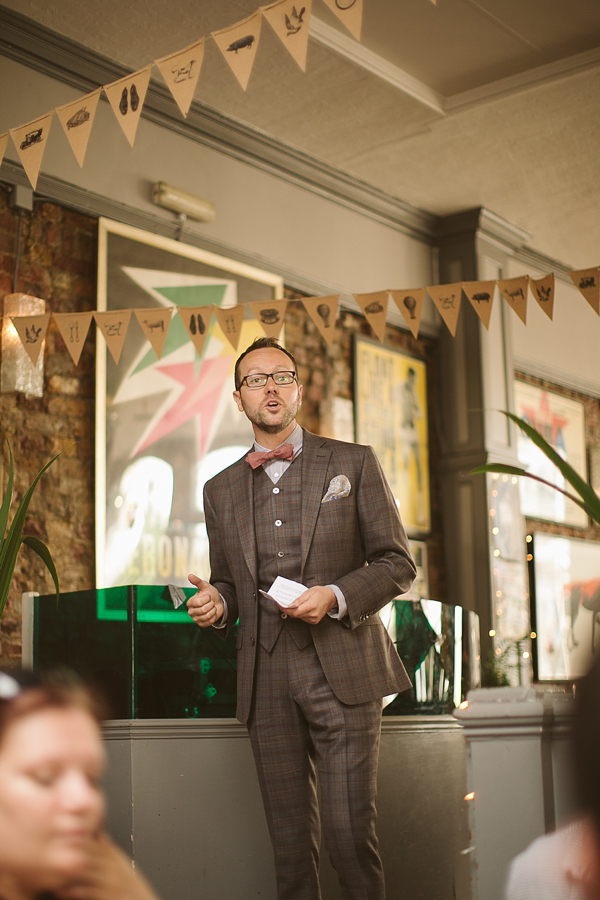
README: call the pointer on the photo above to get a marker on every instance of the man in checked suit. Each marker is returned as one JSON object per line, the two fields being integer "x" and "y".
{"x": 310, "y": 677}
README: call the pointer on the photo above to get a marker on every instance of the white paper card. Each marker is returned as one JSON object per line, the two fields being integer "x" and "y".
{"x": 284, "y": 591}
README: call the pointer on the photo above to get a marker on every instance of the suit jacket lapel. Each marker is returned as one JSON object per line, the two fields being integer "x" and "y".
{"x": 315, "y": 459}
{"x": 242, "y": 492}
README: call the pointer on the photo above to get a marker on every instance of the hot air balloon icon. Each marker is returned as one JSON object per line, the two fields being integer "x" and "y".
{"x": 411, "y": 304}
{"x": 324, "y": 311}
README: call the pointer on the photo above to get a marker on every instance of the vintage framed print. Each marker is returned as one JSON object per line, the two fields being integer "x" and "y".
{"x": 562, "y": 422}
{"x": 164, "y": 426}
{"x": 391, "y": 416}
{"x": 565, "y": 592}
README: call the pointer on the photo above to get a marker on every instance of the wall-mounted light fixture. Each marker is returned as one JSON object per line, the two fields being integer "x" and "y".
{"x": 181, "y": 202}
{"x": 17, "y": 372}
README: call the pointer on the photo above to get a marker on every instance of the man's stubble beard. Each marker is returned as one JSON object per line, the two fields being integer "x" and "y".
{"x": 290, "y": 413}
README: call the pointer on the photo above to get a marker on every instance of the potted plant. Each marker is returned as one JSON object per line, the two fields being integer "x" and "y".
{"x": 12, "y": 537}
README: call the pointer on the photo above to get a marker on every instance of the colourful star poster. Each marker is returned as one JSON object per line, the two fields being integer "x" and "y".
{"x": 166, "y": 425}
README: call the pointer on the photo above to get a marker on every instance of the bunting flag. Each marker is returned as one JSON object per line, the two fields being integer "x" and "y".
{"x": 588, "y": 282}
{"x": 323, "y": 312}
{"x": 543, "y": 291}
{"x": 126, "y": 96}
{"x": 230, "y": 319}
{"x": 113, "y": 326}
{"x": 30, "y": 143}
{"x": 239, "y": 44}
{"x": 271, "y": 316}
{"x": 481, "y": 297}
{"x": 410, "y": 304}
{"x": 77, "y": 119}
{"x": 374, "y": 309}
{"x": 197, "y": 322}
{"x": 155, "y": 325}
{"x": 74, "y": 328}
{"x": 181, "y": 72}
{"x": 349, "y": 12}
{"x": 290, "y": 20}
{"x": 514, "y": 291}
{"x": 446, "y": 298}
{"x": 3, "y": 143}
{"x": 32, "y": 331}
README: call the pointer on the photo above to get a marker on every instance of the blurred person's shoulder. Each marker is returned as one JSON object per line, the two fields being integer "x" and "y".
{"x": 553, "y": 867}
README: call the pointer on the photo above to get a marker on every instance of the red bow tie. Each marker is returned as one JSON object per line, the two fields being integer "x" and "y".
{"x": 258, "y": 457}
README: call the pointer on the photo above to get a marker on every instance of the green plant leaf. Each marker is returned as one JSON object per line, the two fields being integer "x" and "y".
{"x": 4, "y": 509}
{"x": 502, "y": 469}
{"x": 44, "y": 554}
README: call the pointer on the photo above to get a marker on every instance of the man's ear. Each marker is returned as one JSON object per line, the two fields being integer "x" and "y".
{"x": 300, "y": 394}
{"x": 238, "y": 400}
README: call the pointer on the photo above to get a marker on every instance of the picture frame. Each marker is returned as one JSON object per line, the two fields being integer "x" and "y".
{"x": 561, "y": 420}
{"x": 565, "y": 603}
{"x": 164, "y": 426}
{"x": 391, "y": 415}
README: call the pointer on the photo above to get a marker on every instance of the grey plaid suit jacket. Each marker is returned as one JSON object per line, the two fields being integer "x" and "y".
{"x": 358, "y": 658}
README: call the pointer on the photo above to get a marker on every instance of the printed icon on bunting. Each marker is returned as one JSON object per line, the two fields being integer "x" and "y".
{"x": 155, "y": 325}
{"x": 74, "y": 328}
{"x": 349, "y": 12}
{"x": 271, "y": 316}
{"x": 77, "y": 119}
{"x": 514, "y": 291}
{"x": 481, "y": 298}
{"x": 230, "y": 321}
{"x": 239, "y": 44}
{"x": 32, "y": 331}
{"x": 3, "y": 143}
{"x": 126, "y": 97}
{"x": 323, "y": 312}
{"x": 290, "y": 20}
{"x": 181, "y": 71}
{"x": 543, "y": 291}
{"x": 588, "y": 282}
{"x": 113, "y": 326}
{"x": 446, "y": 298}
{"x": 374, "y": 308}
{"x": 410, "y": 304}
{"x": 30, "y": 143}
{"x": 197, "y": 321}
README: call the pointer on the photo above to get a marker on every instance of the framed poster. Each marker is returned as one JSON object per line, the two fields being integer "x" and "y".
{"x": 561, "y": 421}
{"x": 391, "y": 416}
{"x": 565, "y": 605}
{"x": 164, "y": 426}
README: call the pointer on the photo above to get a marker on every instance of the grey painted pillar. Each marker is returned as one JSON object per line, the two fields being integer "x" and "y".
{"x": 477, "y": 378}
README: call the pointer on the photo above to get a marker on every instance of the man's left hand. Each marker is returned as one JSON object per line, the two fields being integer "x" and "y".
{"x": 312, "y": 605}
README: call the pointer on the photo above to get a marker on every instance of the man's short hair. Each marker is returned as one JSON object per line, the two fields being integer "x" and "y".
{"x": 261, "y": 343}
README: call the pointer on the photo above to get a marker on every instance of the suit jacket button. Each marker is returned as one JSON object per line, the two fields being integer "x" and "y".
{"x": 252, "y": 641}
{"x": 284, "y": 615}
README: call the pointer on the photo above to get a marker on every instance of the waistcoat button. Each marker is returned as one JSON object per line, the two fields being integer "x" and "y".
{"x": 278, "y": 522}
{"x": 280, "y": 553}
{"x": 275, "y": 490}
{"x": 284, "y": 615}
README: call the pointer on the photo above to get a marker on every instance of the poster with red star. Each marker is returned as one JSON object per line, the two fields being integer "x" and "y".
{"x": 561, "y": 421}
{"x": 170, "y": 422}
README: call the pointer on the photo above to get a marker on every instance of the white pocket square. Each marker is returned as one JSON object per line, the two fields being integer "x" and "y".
{"x": 339, "y": 487}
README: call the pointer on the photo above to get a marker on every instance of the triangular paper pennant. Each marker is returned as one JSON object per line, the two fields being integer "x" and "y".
{"x": 126, "y": 96}
{"x": 3, "y": 143}
{"x": 349, "y": 12}
{"x": 30, "y": 143}
{"x": 238, "y": 45}
{"x": 588, "y": 282}
{"x": 446, "y": 298}
{"x": 230, "y": 321}
{"x": 32, "y": 331}
{"x": 290, "y": 20}
{"x": 77, "y": 119}
{"x": 514, "y": 291}
{"x": 323, "y": 312}
{"x": 196, "y": 320}
{"x": 74, "y": 328}
{"x": 481, "y": 297}
{"x": 181, "y": 71}
{"x": 374, "y": 308}
{"x": 155, "y": 325}
{"x": 543, "y": 291}
{"x": 113, "y": 326}
{"x": 410, "y": 304}
{"x": 271, "y": 315}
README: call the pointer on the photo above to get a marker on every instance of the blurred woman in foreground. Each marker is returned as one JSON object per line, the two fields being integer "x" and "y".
{"x": 51, "y": 805}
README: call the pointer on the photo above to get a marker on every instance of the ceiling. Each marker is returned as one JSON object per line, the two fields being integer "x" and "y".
{"x": 466, "y": 103}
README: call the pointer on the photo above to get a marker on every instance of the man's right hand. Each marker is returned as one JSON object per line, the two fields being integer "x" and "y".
{"x": 205, "y": 607}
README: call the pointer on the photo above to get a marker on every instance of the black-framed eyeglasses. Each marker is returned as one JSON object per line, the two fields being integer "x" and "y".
{"x": 260, "y": 379}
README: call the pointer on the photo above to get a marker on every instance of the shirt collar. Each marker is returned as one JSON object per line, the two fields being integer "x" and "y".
{"x": 295, "y": 439}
